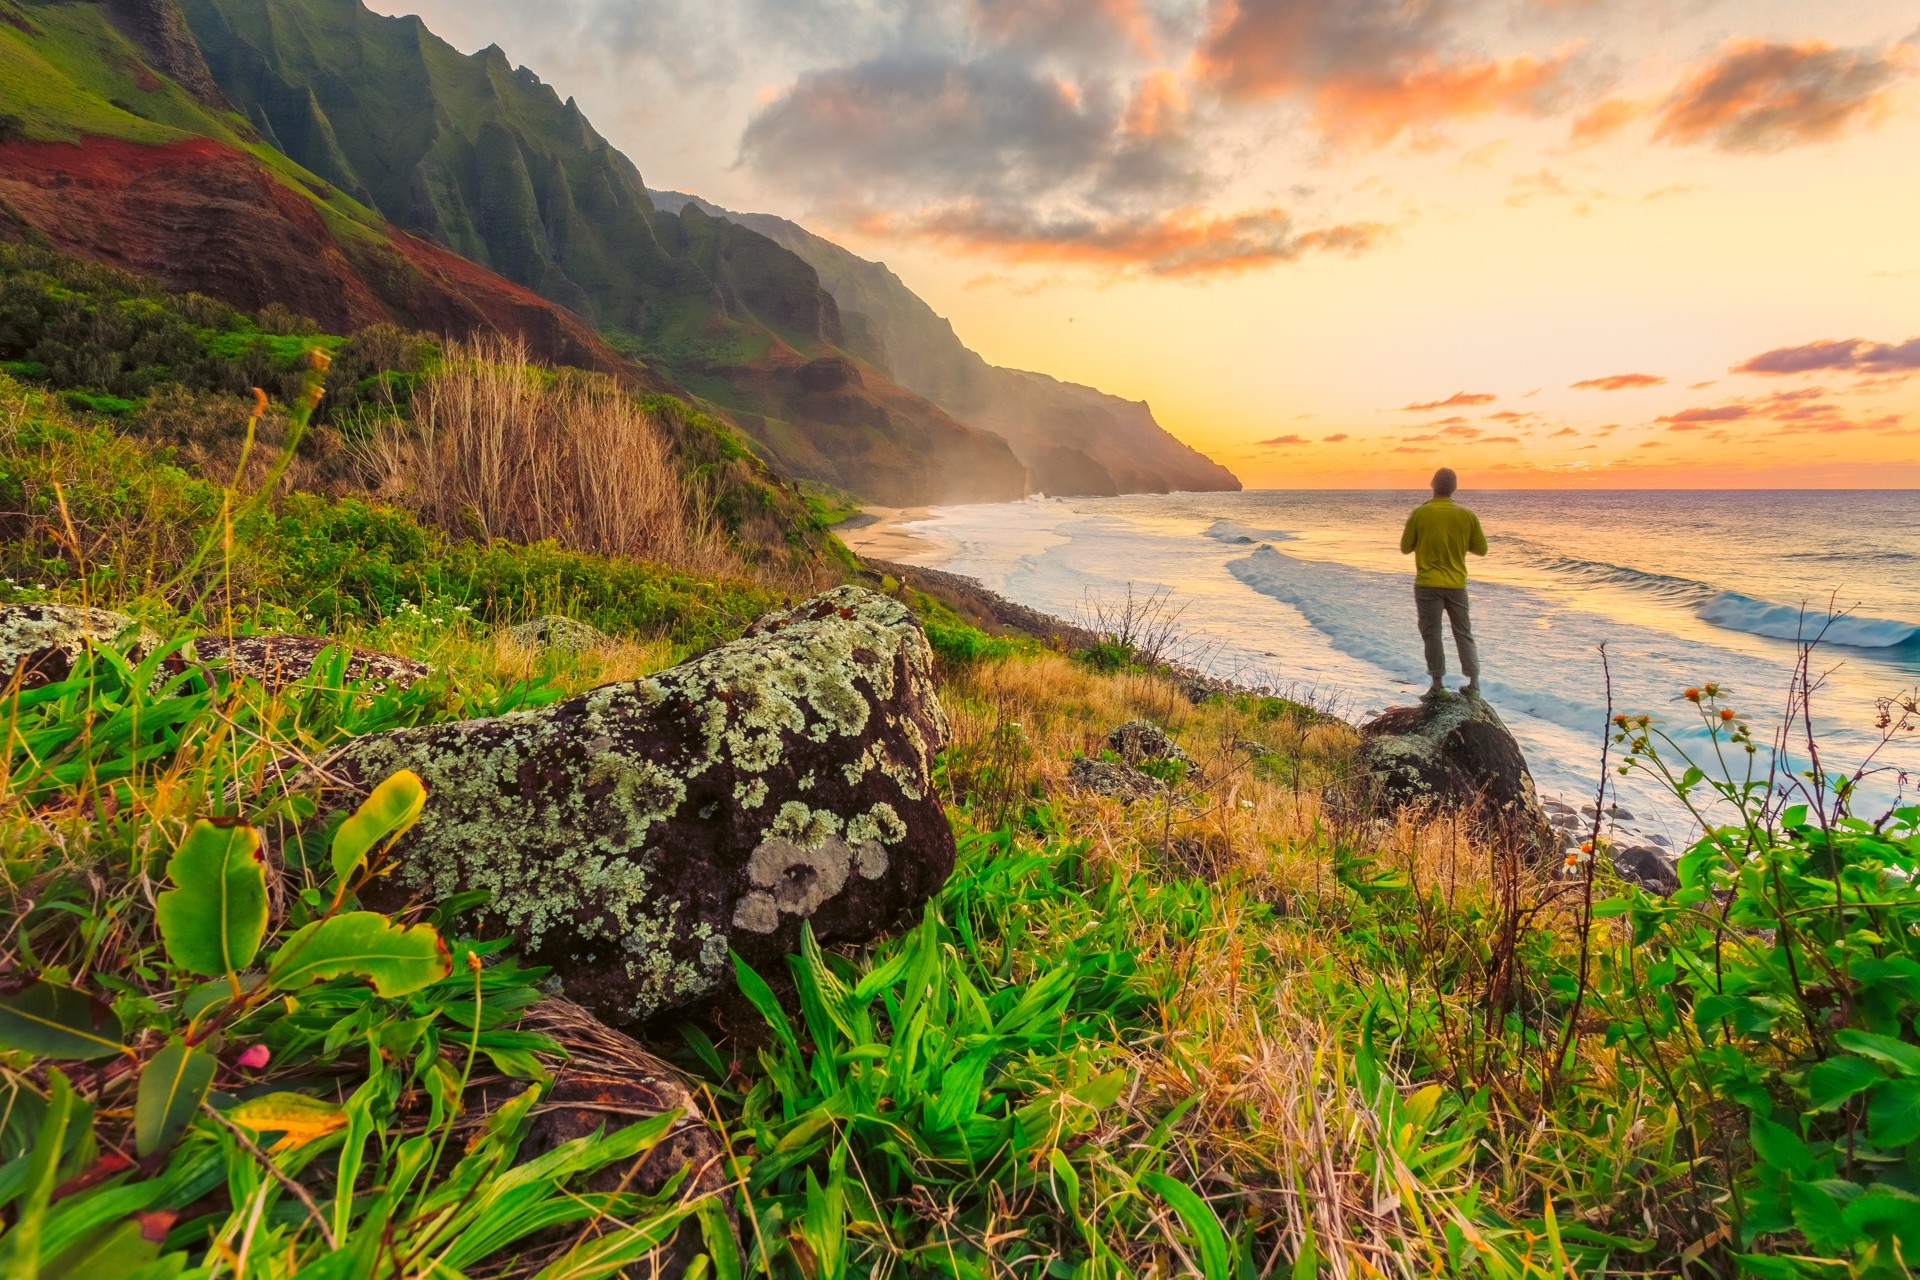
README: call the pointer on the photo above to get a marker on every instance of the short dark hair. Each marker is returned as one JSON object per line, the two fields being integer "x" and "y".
{"x": 1445, "y": 482}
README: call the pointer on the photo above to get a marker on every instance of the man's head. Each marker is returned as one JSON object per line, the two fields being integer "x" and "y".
{"x": 1445, "y": 482}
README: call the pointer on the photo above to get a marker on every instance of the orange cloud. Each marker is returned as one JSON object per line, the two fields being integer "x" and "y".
{"x": 1619, "y": 382}
{"x": 1688, "y": 419}
{"x": 1186, "y": 242}
{"x": 1371, "y": 68}
{"x": 1159, "y": 106}
{"x": 1603, "y": 120}
{"x": 1458, "y": 399}
{"x": 1377, "y": 110}
{"x": 1758, "y": 95}
{"x": 1282, "y": 442}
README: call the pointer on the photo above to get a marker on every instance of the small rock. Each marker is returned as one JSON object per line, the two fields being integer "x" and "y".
{"x": 1138, "y": 741}
{"x": 1113, "y": 778}
{"x": 39, "y": 643}
{"x": 633, "y": 836}
{"x": 1625, "y": 815}
{"x": 1647, "y": 867}
{"x": 607, "y": 1081}
{"x": 559, "y": 633}
{"x": 278, "y": 661}
{"x": 1555, "y": 808}
{"x": 1662, "y": 841}
{"x": 1453, "y": 753}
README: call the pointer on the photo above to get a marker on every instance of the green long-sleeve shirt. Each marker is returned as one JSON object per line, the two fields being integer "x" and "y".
{"x": 1438, "y": 536}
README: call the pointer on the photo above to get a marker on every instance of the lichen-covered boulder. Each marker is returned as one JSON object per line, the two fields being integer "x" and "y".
{"x": 1453, "y": 753}
{"x": 631, "y": 836}
{"x": 559, "y": 633}
{"x": 40, "y": 642}
{"x": 1137, "y": 741}
{"x": 277, "y": 661}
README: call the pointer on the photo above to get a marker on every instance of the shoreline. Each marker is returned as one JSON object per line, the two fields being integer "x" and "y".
{"x": 882, "y": 533}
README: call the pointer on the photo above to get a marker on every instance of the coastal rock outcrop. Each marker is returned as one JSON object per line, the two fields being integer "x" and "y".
{"x": 634, "y": 835}
{"x": 1453, "y": 753}
{"x": 1647, "y": 866}
{"x": 39, "y": 643}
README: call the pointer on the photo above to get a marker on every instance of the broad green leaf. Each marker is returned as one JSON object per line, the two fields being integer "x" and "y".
{"x": 1898, "y": 1054}
{"x": 1817, "y": 1215}
{"x": 1837, "y": 1079}
{"x": 58, "y": 1022}
{"x": 1882, "y": 1211}
{"x": 298, "y": 1118}
{"x": 1199, "y": 1218}
{"x": 1780, "y": 1146}
{"x": 214, "y": 917}
{"x": 1893, "y": 1113}
{"x": 386, "y": 815}
{"x": 172, "y": 1085}
{"x": 116, "y": 1249}
{"x": 363, "y": 944}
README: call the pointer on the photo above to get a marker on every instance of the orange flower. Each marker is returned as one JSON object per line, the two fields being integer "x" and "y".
{"x": 1726, "y": 713}
{"x": 1620, "y": 720}
{"x": 1693, "y": 695}
{"x": 259, "y": 402}
{"x": 1586, "y": 846}
{"x": 1573, "y": 860}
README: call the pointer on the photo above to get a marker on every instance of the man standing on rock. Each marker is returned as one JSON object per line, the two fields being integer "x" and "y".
{"x": 1438, "y": 536}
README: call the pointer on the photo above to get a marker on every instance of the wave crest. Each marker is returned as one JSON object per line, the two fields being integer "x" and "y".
{"x": 1240, "y": 535}
{"x": 1736, "y": 612}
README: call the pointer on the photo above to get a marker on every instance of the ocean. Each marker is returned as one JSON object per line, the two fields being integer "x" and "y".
{"x": 1306, "y": 592}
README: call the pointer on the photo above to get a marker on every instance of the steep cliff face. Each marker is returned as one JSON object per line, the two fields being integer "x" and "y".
{"x": 105, "y": 155}
{"x": 1073, "y": 438}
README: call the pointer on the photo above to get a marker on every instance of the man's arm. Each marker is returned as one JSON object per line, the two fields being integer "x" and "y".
{"x": 1477, "y": 543}
{"x": 1406, "y": 534}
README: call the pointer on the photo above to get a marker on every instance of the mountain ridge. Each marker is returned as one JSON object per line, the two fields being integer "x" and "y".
{"x": 1073, "y": 438}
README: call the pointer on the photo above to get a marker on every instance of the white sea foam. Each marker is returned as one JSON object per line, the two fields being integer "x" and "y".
{"x": 1234, "y": 534}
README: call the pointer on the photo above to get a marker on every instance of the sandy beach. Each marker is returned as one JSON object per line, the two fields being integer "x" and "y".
{"x": 881, "y": 533}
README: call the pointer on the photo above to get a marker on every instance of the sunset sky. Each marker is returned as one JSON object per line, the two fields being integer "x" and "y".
{"x": 1594, "y": 242}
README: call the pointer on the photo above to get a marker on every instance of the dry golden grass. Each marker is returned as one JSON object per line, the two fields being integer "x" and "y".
{"x": 502, "y": 448}
{"x": 1248, "y": 1034}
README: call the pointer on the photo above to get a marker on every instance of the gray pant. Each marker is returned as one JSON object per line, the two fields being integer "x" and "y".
{"x": 1429, "y": 603}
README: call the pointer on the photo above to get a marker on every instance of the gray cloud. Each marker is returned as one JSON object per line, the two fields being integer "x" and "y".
{"x": 1759, "y": 95}
{"x": 1855, "y": 355}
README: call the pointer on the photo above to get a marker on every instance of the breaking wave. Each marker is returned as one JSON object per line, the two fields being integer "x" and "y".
{"x": 1240, "y": 535}
{"x": 1736, "y": 612}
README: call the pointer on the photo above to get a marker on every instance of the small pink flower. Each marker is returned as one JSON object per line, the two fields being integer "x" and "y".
{"x": 253, "y": 1057}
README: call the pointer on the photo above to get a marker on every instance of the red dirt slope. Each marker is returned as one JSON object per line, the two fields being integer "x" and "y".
{"x": 204, "y": 216}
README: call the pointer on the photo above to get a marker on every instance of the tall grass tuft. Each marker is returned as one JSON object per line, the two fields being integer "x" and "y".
{"x": 503, "y": 448}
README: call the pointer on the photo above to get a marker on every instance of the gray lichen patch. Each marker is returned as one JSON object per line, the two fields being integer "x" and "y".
{"x": 50, "y": 636}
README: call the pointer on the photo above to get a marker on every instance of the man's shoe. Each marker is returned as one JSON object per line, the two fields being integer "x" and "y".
{"x": 1435, "y": 693}
{"x": 1471, "y": 688}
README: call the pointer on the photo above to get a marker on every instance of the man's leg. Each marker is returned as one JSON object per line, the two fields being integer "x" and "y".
{"x": 1428, "y": 604}
{"x": 1463, "y": 636}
